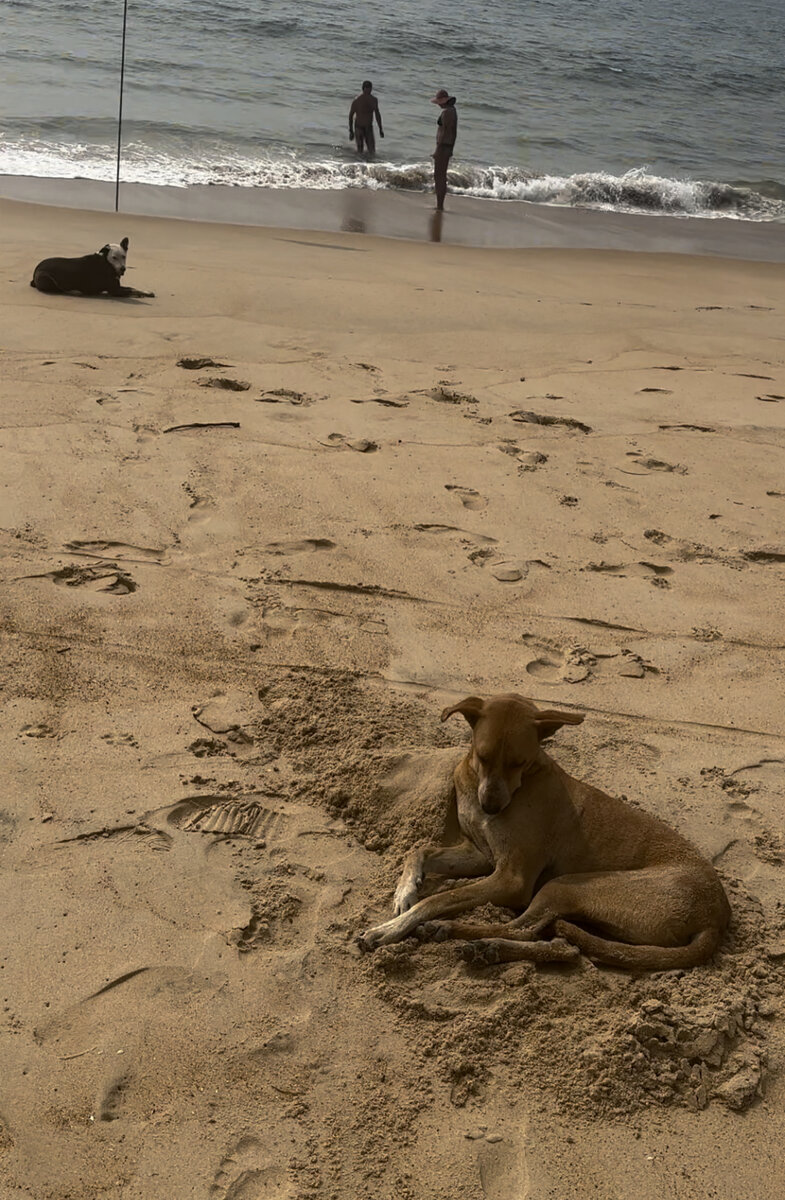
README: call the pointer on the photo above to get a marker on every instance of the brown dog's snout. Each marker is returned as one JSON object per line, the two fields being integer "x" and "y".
{"x": 493, "y": 796}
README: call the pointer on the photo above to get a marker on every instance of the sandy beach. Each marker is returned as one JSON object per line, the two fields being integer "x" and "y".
{"x": 235, "y": 598}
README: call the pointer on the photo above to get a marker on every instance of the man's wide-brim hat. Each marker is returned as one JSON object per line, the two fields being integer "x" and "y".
{"x": 441, "y": 95}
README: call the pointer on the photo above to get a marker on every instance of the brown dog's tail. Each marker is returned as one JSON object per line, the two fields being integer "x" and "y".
{"x": 642, "y": 958}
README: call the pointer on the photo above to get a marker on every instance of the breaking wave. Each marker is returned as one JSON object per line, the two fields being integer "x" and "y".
{"x": 217, "y": 163}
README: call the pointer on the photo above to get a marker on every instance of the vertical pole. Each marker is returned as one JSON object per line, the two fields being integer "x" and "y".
{"x": 120, "y": 112}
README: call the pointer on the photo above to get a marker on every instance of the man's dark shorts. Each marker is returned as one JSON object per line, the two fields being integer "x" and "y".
{"x": 365, "y": 138}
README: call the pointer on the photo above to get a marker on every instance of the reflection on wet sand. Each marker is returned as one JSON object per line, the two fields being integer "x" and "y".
{"x": 355, "y": 212}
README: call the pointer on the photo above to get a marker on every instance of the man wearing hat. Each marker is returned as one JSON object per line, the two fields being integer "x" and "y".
{"x": 445, "y": 142}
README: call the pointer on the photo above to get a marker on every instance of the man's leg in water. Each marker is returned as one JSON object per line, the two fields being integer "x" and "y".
{"x": 441, "y": 160}
{"x": 365, "y": 139}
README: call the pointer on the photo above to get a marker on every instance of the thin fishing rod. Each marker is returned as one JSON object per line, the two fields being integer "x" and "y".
{"x": 120, "y": 112}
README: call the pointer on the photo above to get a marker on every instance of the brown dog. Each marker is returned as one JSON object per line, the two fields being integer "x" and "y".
{"x": 605, "y": 878}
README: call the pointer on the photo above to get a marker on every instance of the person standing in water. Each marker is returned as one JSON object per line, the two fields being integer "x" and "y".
{"x": 364, "y": 108}
{"x": 446, "y": 134}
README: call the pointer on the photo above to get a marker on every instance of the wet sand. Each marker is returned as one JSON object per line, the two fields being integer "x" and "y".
{"x": 231, "y": 616}
{"x": 410, "y": 215}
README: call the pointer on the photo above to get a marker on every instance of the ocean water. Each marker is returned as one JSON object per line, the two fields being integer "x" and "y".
{"x": 673, "y": 106}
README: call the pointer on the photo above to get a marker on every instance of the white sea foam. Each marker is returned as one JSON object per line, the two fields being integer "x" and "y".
{"x": 218, "y": 164}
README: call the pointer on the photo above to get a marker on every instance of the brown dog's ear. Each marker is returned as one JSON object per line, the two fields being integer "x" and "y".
{"x": 471, "y": 708}
{"x": 548, "y": 720}
{"x": 124, "y": 243}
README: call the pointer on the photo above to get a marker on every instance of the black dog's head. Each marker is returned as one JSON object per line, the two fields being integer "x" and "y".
{"x": 116, "y": 255}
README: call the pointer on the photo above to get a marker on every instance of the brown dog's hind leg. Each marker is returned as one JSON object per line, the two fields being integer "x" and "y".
{"x": 643, "y": 918}
{"x": 465, "y": 931}
{"x": 490, "y": 951}
{"x": 642, "y": 958}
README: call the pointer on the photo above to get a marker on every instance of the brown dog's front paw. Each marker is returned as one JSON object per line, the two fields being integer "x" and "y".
{"x": 434, "y": 931}
{"x": 368, "y": 941}
{"x": 381, "y": 935}
{"x": 481, "y": 953}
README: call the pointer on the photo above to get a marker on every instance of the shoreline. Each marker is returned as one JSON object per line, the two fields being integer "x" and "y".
{"x": 410, "y": 216}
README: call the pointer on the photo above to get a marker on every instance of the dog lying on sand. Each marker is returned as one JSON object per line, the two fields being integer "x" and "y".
{"x": 602, "y": 878}
{"x": 90, "y": 275}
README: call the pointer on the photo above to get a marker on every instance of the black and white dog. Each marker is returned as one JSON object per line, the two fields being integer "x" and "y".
{"x": 90, "y": 275}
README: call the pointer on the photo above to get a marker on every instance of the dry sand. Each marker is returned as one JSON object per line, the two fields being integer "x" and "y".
{"x": 230, "y": 620}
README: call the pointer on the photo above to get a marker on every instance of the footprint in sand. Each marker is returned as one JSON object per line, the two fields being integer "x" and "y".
{"x": 766, "y": 554}
{"x": 300, "y": 546}
{"x": 286, "y": 396}
{"x": 527, "y": 460}
{"x": 199, "y": 506}
{"x": 656, "y": 573}
{"x": 38, "y": 731}
{"x": 120, "y": 739}
{"x": 253, "y": 934}
{"x": 507, "y": 572}
{"x": 650, "y": 464}
{"x": 111, "y": 1098}
{"x": 101, "y": 548}
{"x": 227, "y": 714}
{"x": 504, "y": 569}
{"x": 244, "y": 1174}
{"x": 208, "y": 748}
{"x": 530, "y": 460}
{"x": 574, "y": 664}
{"x": 447, "y": 395}
{"x": 99, "y": 577}
{"x": 290, "y": 621}
{"x": 468, "y": 497}
{"x": 465, "y": 534}
{"x": 528, "y": 417}
{"x": 338, "y": 441}
{"x": 226, "y": 384}
{"x": 385, "y": 401}
{"x": 198, "y": 364}
{"x": 222, "y": 815}
{"x": 141, "y": 835}
{"x": 502, "y": 1169}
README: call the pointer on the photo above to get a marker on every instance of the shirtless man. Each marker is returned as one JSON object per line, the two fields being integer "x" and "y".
{"x": 364, "y": 108}
{"x": 445, "y": 143}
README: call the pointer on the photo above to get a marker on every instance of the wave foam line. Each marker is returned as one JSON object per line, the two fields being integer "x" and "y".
{"x": 635, "y": 191}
